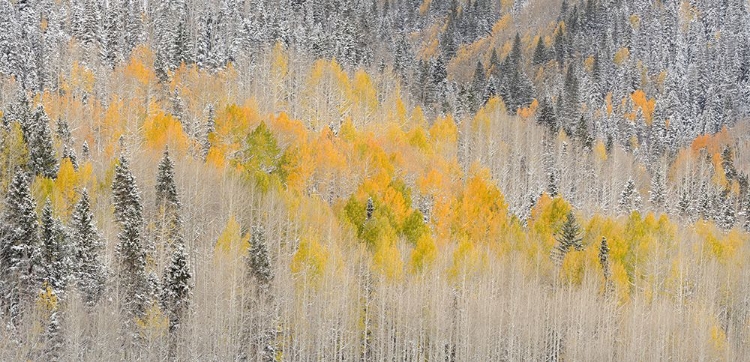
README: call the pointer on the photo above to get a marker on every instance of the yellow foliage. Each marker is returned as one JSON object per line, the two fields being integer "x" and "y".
{"x": 635, "y": 21}
{"x": 162, "y": 129}
{"x": 81, "y": 78}
{"x": 622, "y": 55}
{"x": 424, "y": 253}
{"x": 418, "y": 138}
{"x": 13, "y": 152}
{"x": 546, "y": 217}
{"x": 600, "y": 150}
{"x": 444, "y": 132}
{"x": 47, "y": 299}
{"x": 503, "y": 23}
{"x": 480, "y": 212}
{"x": 64, "y": 194}
{"x": 387, "y": 260}
{"x": 589, "y": 63}
{"x": 365, "y": 94}
{"x": 231, "y": 242}
{"x": 310, "y": 259}
{"x": 467, "y": 260}
{"x": 722, "y": 246}
{"x": 154, "y": 323}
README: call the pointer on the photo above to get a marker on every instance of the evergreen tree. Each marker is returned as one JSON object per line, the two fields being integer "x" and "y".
{"x": 89, "y": 271}
{"x": 176, "y": 290}
{"x": 259, "y": 263}
{"x": 540, "y": 53}
{"x": 19, "y": 248}
{"x": 547, "y": 116}
{"x": 583, "y": 135}
{"x": 570, "y": 98}
{"x": 38, "y": 135}
{"x": 604, "y": 259}
{"x": 630, "y": 198}
{"x": 656, "y": 194}
{"x": 569, "y": 235}
{"x": 166, "y": 190}
{"x": 261, "y": 339}
{"x": 56, "y": 259}
{"x": 134, "y": 285}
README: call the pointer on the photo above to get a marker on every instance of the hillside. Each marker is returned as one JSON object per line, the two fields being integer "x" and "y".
{"x": 374, "y": 180}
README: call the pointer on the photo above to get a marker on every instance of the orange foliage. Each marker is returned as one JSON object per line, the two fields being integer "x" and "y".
{"x": 646, "y": 105}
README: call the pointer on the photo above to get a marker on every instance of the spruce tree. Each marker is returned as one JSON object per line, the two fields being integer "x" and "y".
{"x": 604, "y": 258}
{"x": 547, "y": 116}
{"x": 176, "y": 287}
{"x": 262, "y": 335}
{"x": 630, "y": 198}
{"x": 259, "y": 263}
{"x": 134, "y": 285}
{"x": 656, "y": 194}
{"x": 166, "y": 190}
{"x": 583, "y": 135}
{"x": 569, "y": 235}
{"x": 56, "y": 259}
{"x": 42, "y": 155}
{"x": 19, "y": 248}
{"x": 89, "y": 271}
{"x": 540, "y": 53}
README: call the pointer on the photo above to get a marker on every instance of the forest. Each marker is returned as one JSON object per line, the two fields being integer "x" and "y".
{"x": 374, "y": 180}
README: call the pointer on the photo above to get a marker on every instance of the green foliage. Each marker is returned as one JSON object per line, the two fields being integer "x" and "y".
{"x": 356, "y": 214}
{"x": 261, "y": 158}
{"x": 414, "y": 227}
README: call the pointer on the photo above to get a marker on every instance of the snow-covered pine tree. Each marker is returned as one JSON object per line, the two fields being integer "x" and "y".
{"x": 134, "y": 285}
{"x": 38, "y": 136}
{"x": 89, "y": 270}
{"x": 540, "y": 53}
{"x": 547, "y": 115}
{"x": 259, "y": 333}
{"x": 259, "y": 262}
{"x": 168, "y": 220}
{"x": 175, "y": 293}
{"x": 56, "y": 260}
{"x": 657, "y": 192}
{"x": 19, "y": 248}
{"x": 630, "y": 198}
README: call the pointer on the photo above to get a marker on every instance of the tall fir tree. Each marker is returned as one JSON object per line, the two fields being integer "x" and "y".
{"x": 630, "y": 198}
{"x": 259, "y": 262}
{"x": 568, "y": 236}
{"x": 42, "y": 154}
{"x": 56, "y": 259}
{"x": 20, "y": 266}
{"x": 134, "y": 286}
{"x": 89, "y": 270}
